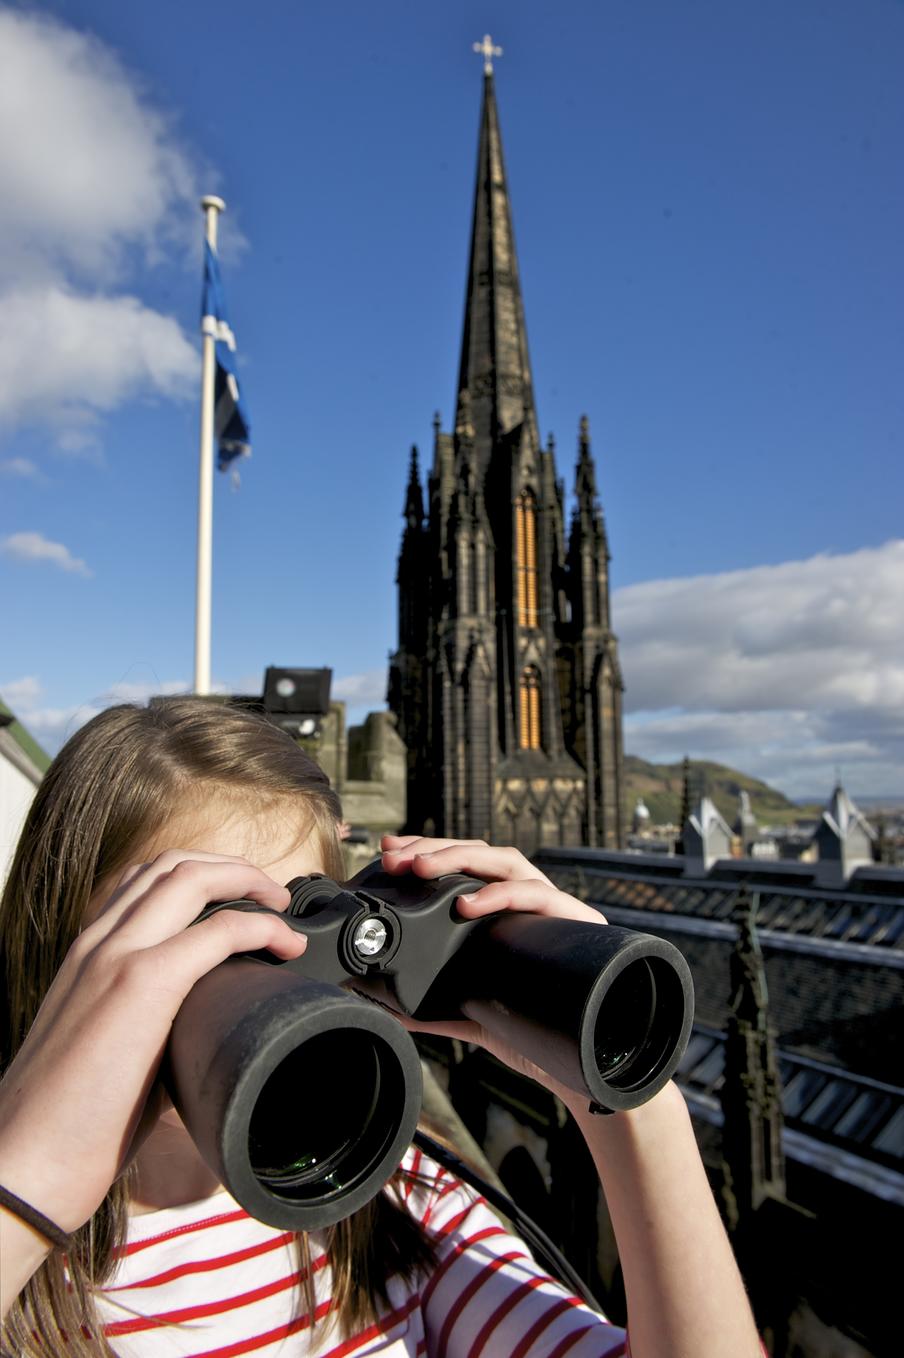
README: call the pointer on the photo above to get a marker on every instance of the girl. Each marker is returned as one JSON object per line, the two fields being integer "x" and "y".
{"x": 145, "y": 816}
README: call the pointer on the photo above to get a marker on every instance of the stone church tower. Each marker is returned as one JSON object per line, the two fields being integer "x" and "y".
{"x": 506, "y": 682}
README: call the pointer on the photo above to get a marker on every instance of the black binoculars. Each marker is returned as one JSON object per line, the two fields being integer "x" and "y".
{"x": 302, "y": 1091}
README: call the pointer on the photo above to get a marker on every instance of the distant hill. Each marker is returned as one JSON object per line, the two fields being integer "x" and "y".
{"x": 660, "y": 786}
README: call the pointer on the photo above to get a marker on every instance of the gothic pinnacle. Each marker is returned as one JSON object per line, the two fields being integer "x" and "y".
{"x": 414, "y": 501}
{"x": 585, "y": 480}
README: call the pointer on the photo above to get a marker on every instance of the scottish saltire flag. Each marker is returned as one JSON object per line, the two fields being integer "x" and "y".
{"x": 230, "y": 420}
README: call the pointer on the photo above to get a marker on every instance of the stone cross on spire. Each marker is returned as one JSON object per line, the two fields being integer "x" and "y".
{"x": 488, "y": 51}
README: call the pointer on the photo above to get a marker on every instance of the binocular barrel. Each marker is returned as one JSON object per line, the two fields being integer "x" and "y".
{"x": 605, "y": 1011}
{"x": 302, "y": 1095}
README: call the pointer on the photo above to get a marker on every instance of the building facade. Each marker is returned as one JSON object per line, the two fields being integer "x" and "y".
{"x": 22, "y": 766}
{"x": 506, "y": 683}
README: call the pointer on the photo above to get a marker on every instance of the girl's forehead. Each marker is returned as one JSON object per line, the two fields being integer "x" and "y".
{"x": 281, "y": 842}
{"x": 265, "y": 836}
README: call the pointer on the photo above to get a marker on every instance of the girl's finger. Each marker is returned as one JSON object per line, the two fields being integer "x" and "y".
{"x": 393, "y": 842}
{"x": 175, "y": 898}
{"x": 436, "y": 841}
{"x": 400, "y": 849}
{"x": 474, "y": 857}
{"x": 174, "y": 965}
{"x": 167, "y": 859}
{"x": 116, "y": 899}
{"x": 532, "y": 896}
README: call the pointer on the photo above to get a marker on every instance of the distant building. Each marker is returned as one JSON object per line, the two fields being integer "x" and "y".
{"x": 839, "y": 841}
{"x": 506, "y": 682}
{"x": 844, "y": 838}
{"x": 706, "y": 836}
{"x": 366, "y": 767}
{"x": 365, "y": 764}
{"x": 745, "y": 826}
{"x": 640, "y": 821}
{"x": 22, "y": 765}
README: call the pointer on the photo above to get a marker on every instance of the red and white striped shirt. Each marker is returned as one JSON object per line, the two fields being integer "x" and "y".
{"x": 207, "y": 1281}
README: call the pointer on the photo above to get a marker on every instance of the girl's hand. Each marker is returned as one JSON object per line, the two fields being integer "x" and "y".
{"x": 72, "y": 1101}
{"x": 513, "y": 883}
{"x": 683, "y": 1289}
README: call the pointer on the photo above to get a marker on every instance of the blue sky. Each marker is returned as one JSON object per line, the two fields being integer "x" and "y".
{"x": 709, "y": 210}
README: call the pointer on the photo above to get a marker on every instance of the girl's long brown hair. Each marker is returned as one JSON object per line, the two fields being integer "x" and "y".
{"x": 111, "y": 792}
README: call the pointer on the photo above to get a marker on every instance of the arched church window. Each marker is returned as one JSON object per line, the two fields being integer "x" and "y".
{"x": 530, "y": 708}
{"x": 526, "y": 558}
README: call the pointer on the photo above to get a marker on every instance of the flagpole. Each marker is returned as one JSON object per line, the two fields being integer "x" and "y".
{"x": 211, "y": 207}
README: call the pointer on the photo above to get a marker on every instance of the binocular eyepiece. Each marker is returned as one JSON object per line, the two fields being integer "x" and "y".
{"x": 302, "y": 1091}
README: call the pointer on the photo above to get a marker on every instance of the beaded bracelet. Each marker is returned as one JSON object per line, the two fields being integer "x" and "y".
{"x": 37, "y": 1220}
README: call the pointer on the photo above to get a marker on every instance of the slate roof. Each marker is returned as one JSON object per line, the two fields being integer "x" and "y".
{"x": 861, "y": 1120}
{"x": 868, "y": 910}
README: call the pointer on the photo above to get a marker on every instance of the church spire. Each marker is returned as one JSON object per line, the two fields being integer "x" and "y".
{"x": 495, "y": 367}
{"x": 506, "y": 684}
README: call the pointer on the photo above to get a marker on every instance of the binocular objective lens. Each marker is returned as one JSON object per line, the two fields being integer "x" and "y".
{"x": 325, "y": 1115}
{"x": 624, "y": 1020}
{"x": 638, "y": 1024}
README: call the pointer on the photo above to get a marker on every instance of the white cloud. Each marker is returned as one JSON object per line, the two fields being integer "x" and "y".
{"x": 34, "y": 547}
{"x": 50, "y": 726}
{"x": 95, "y": 184}
{"x": 22, "y": 467}
{"x": 786, "y": 671}
{"x": 827, "y": 630}
{"x": 95, "y": 352}
{"x": 88, "y": 167}
{"x": 81, "y": 438}
{"x": 22, "y": 692}
{"x": 361, "y": 690}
